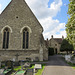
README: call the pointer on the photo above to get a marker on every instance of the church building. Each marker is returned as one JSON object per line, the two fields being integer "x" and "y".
{"x": 21, "y": 34}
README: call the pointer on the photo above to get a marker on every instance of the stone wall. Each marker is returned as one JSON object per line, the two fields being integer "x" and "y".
{"x": 22, "y": 55}
{"x": 55, "y": 45}
{"x": 16, "y": 16}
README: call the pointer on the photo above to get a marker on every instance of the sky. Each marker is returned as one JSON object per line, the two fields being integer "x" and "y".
{"x": 52, "y": 15}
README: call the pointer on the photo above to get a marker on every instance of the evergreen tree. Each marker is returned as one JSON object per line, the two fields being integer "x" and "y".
{"x": 70, "y": 26}
{"x": 66, "y": 46}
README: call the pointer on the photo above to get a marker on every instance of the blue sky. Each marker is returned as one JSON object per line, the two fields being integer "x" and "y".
{"x": 62, "y": 15}
{"x": 52, "y": 14}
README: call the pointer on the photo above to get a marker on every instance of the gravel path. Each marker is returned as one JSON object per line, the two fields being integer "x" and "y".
{"x": 56, "y": 66}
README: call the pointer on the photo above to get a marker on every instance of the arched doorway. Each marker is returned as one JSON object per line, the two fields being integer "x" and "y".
{"x": 56, "y": 51}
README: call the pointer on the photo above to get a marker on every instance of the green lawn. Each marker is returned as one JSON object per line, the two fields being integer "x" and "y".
{"x": 40, "y": 70}
{"x": 31, "y": 67}
{"x": 20, "y": 72}
{"x": 6, "y": 71}
{"x": 73, "y": 65}
{"x": 17, "y": 68}
{"x": 38, "y": 73}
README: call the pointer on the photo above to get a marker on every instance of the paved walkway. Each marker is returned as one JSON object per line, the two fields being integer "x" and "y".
{"x": 56, "y": 66}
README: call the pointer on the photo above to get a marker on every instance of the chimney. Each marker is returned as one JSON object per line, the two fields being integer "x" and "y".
{"x": 47, "y": 43}
{"x": 62, "y": 37}
{"x": 52, "y": 36}
{"x": 47, "y": 39}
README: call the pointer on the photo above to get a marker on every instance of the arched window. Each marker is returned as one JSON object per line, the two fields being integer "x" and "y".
{"x": 5, "y": 38}
{"x": 25, "y": 38}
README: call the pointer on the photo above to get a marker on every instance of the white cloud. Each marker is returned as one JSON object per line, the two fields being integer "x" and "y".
{"x": 53, "y": 26}
{"x": 45, "y": 16}
{"x": 41, "y": 10}
{"x": 60, "y": 35}
{"x": 49, "y": 24}
{"x": 48, "y": 34}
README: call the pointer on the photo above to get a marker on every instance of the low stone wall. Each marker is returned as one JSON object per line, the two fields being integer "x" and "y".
{"x": 19, "y": 54}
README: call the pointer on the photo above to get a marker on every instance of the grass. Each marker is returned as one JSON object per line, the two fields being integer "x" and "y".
{"x": 73, "y": 65}
{"x": 6, "y": 71}
{"x": 20, "y": 72}
{"x": 31, "y": 67}
{"x": 40, "y": 70}
{"x": 2, "y": 66}
{"x": 17, "y": 68}
{"x": 38, "y": 73}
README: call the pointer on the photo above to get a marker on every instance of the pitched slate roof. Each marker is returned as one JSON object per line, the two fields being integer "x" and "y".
{"x": 58, "y": 40}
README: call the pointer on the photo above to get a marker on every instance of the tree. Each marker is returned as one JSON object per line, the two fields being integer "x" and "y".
{"x": 66, "y": 46}
{"x": 70, "y": 26}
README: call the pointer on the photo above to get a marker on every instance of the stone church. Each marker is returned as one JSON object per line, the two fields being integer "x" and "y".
{"x": 21, "y": 34}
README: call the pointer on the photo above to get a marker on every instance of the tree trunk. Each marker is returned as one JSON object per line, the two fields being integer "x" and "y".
{"x": 0, "y": 64}
{"x": 67, "y": 52}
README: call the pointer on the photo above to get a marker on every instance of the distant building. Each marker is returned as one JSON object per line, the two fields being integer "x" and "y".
{"x": 55, "y": 43}
{"x": 47, "y": 43}
{"x": 21, "y": 34}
